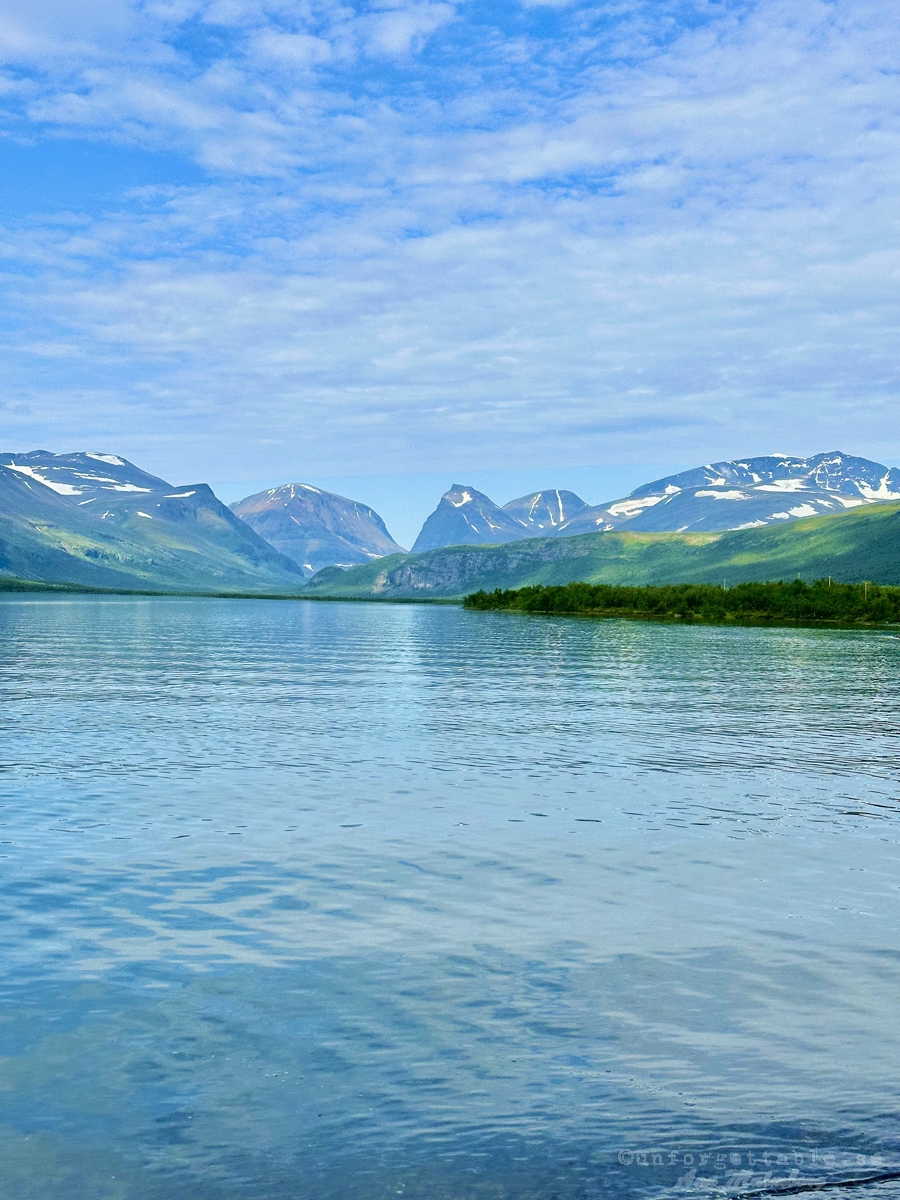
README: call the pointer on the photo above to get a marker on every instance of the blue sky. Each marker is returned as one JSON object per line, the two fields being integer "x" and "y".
{"x": 426, "y": 241}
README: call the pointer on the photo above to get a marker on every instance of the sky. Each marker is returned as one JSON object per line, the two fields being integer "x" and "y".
{"x": 398, "y": 244}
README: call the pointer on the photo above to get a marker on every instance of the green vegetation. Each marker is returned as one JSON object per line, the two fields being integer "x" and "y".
{"x": 863, "y": 543}
{"x": 11, "y": 583}
{"x": 797, "y": 602}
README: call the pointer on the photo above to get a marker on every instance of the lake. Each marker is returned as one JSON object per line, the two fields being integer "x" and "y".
{"x": 356, "y": 901}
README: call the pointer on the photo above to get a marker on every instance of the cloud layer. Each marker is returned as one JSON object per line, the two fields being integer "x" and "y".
{"x": 428, "y": 234}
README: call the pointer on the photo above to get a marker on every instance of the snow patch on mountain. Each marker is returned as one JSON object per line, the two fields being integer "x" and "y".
{"x": 61, "y": 489}
{"x": 112, "y": 459}
{"x": 630, "y": 508}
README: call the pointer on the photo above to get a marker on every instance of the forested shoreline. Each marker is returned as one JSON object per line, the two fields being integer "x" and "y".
{"x": 796, "y": 602}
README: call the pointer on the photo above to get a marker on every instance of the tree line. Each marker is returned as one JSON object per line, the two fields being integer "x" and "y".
{"x": 823, "y": 600}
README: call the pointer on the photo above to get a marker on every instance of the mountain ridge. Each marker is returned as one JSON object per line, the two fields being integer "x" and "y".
{"x": 96, "y": 520}
{"x": 744, "y": 494}
{"x": 733, "y": 494}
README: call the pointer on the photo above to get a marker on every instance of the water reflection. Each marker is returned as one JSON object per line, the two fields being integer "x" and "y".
{"x": 358, "y": 901}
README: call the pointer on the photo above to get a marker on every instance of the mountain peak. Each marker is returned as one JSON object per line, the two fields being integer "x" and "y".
{"x": 466, "y": 517}
{"x": 316, "y": 529}
{"x": 544, "y": 512}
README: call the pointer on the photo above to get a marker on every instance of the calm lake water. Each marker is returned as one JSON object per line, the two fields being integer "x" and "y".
{"x": 349, "y": 902}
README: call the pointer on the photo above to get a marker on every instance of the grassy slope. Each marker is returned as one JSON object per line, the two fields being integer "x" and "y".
{"x": 863, "y": 543}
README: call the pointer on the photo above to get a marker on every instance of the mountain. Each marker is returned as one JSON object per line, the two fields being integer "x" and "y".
{"x": 744, "y": 494}
{"x": 851, "y": 547}
{"x": 316, "y": 529}
{"x": 100, "y": 521}
{"x": 545, "y": 512}
{"x": 91, "y": 477}
{"x": 740, "y": 494}
{"x": 466, "y": 517}
{"x": 96, "y": 520}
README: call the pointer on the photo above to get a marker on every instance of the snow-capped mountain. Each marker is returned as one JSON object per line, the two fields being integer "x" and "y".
{"x": 741, "y": 494}
{"x": 317, "y": 529}
{"x": 98, "y": 520}
{"x": 88, "y": 477}
{"x": 744, "y": 494}
{"x": 466, "y": 517}
{"x": 545, "y": 512}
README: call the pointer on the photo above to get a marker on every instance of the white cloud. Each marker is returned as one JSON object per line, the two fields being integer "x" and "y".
{"x": 566, "y": 246}
{"x": 402, "y": 28}
{"x": 53, "y": 30}
{"x": 291, "y": 49}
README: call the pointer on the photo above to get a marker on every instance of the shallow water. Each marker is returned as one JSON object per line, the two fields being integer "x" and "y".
{"x": 348, "y": 901}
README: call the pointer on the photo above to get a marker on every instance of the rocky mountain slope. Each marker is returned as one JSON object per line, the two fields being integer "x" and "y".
{"x": 851, "y": 547}
{"x": 100, "y": 521}
{"x": 316, "y": 529}
{"x": 545, "y": 512}
{"x": 744, "y": 494}
{"x": 466, "y": 517}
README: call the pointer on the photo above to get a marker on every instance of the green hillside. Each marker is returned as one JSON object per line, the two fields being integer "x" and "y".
{"x": 862, "y": 544}
{"x": 135, "y": 539}
{"x": 9, "y": 583}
